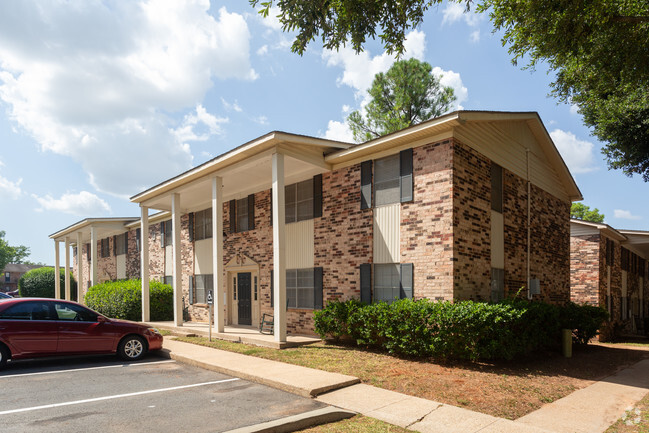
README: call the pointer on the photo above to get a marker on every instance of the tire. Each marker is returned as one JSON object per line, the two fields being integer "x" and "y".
{"x": 132, "y": 348}
{"x": 4, "y": 355}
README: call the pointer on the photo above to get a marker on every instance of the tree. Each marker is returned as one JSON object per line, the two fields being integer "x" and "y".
{"x": 407, "y": 94}
{"x": 9, "y": 254}
{"x": 582, "y": 212}
{"x": 599, "y": 50}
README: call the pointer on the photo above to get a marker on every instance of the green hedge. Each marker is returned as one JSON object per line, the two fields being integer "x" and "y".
{"x": 462, "y": 330}
{"x": 123, "y": 300}
{"x": 40, "y": 283}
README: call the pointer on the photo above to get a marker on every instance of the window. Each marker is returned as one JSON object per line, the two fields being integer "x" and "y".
{"x": 203, "y": 283}
{"x": 610, "y": 252}
{"x": 138, "y": 239}
{"x": 625, "y": 259}
{"x": 242, "y": 214}
{"x": 167, "y": 237}
{"x": 74, "y": 313}
{"x": 104, "y": 250}
{"x": 7, "y": 277}
{"x": 496, "y": 188}
{"x": 203, "y": 224}
{"x": 121, "y": 242}
{"x": 168, "y": 279}
{"x": 391, "y": 281}
{"x": 27, "y": 311}
{"x": 386, "y": 180}
{"x": 299, "y": 288}
{"x": 393, "y": 180}
{"x": 299, "y": 201}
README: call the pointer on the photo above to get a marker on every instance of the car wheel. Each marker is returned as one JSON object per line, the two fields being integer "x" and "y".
{"x": 4, "y": 355}
{"x": 132, "y": 348}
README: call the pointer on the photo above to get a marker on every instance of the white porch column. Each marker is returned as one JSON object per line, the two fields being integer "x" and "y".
{"x": 67, "y": 268}
{"x": 177, "y": 272}
{"x": 144, "y": 262}
{"x": 217, "y": 253}
{"x": 93, "y": 256}
{"x": 279, "y": 242}
{"x": 81, "y": 288}
{"x": 57, "y": 271}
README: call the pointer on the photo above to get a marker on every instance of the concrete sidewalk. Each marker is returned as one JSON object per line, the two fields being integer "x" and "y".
{"x": 591, "y": 409}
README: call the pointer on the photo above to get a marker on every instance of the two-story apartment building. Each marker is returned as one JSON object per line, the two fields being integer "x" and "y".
{"x": 471, "y": 205}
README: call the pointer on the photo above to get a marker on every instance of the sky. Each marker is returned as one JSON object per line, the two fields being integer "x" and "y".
{"x": 100, "y": 100}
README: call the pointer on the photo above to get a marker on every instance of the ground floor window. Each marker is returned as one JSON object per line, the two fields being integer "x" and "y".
{"x": 304, "y": 288}
{"x": 168, "y": 279}
{"x": 202, "y": 283}
{"x": 386, "y": 282}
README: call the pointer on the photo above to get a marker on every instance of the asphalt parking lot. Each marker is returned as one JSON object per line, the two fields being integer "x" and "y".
{"x": 155, "y": 394}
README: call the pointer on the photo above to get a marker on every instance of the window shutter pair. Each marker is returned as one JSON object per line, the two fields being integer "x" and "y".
{"x": 405, "y": 283}
{"x": 191, "y": 227}
{"x": 405, "y": 179}
{"x": 191, "y": 290}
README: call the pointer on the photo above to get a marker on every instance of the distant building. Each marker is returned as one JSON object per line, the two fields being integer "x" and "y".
{"x": 12, "y": 273}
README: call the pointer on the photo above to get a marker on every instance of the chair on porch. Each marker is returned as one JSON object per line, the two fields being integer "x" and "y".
{"x": 266, "y": 324}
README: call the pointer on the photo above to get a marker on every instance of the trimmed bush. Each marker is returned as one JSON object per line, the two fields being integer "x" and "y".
{"x": 40, "y": 283}
{"x": 462, "y": 330}
{"x": 123, "y": 300}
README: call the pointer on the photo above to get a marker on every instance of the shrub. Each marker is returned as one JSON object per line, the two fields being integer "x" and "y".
{"x": 123, "y": 300}
{"x": 462, "y": 330}
{"x": 40, "y": 283}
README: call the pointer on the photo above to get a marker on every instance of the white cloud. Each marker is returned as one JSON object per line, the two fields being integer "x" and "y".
{"x": 261, "y": 120}
{"x": 453, "y": 79}
{"x": 454, "y": 12}
{"x": 84, "y": 203}
{"x": 231, "y": 106}
{"x": 98, "y": 83}
{"x": 263, "y": 50}
{"x": 339, "y": 131}
{"x": 574, "y": 109}
{"x": 475, "y": 36}
{"x": 625, "y": 214}
{"x": 578, "y": 154}
{"x": 188, "y": 130}
{"x": 9, "y": 189}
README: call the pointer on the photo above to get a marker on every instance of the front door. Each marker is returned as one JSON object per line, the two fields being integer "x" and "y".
{"x": 243, "y": 292}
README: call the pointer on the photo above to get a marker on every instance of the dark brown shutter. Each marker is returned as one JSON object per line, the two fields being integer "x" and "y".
{"x": 271, "y": 207}
{"x": 317, "y": 196}
{"x": 406, "y": 281}
{"x": 366, "y": 184}
{"x": 366, "y": 283}
{"x": 114, "y": 245}
{"x": 272, "y": 294}
{"x": 233, "y": 216}
{"x": 317, "y": 289}
{"x": 405, "y": 170}
{"x": 251, "y": 212}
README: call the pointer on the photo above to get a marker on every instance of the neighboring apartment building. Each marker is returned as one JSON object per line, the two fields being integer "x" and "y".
{"x": 608, "y": 268}
{"x": 12, "y": 273}
{"x": 471, "y": 205}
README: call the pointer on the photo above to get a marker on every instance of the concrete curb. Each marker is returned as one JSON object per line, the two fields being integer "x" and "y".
{"x": 313, "y": 392}
{"x": 298, "y": 422}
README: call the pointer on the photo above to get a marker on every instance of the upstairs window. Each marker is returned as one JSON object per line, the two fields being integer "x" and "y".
{"x": 242, "y": 214}
{"x": 121, "y": 242}
{"x": 7, "y": 277}
{"x": 104, "y": 248}
{"x": 496, "y": 188}
{"x": 166, "y": 237}
{"x": 387, "y": 180}
{"x": 202, "y": 224}
{"x": 299, "y": 201}
{"x": 392, "y": 180}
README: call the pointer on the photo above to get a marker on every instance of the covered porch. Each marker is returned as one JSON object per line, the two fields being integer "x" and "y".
{"x": 268, "y": 163}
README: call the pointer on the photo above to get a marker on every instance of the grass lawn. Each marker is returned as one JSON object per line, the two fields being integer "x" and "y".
{"x": 503, "y": 389}
{"x": 357, "y": 424}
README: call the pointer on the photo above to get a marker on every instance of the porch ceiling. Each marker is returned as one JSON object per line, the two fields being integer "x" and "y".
{"x": 246, "y": 177}
{"x": 105, "y": 227}
{"x": 638, "y": 241}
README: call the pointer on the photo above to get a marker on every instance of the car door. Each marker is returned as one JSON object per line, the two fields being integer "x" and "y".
{"x": 80, "y": 331}
{"x": 29, "y": 329}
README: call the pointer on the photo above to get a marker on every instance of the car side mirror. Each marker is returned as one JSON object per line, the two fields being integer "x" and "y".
{"x": 101, "y": 319}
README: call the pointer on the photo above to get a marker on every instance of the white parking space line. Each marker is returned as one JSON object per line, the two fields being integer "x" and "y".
{"x": 111, "y": 397}
{"x": 74, "y": 370}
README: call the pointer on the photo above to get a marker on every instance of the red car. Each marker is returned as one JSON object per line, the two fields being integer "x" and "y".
{"x": 34, "y": 327}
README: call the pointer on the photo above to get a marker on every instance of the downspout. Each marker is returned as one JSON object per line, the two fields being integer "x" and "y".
{"x": 529, "y": 216}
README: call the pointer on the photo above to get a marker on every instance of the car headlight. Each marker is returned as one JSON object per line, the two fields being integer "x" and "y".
{"x": 153, "y": 331}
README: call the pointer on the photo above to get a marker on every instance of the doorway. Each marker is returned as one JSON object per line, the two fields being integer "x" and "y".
{"x": 244, "y": 298}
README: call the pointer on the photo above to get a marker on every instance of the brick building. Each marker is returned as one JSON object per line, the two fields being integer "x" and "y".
{"x": 12, "y": 273}
{"x": 470, "y": 205}
{"x": 608, "y": 268}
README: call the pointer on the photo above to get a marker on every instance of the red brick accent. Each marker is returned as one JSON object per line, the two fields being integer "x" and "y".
{"x": 585, "y": 269}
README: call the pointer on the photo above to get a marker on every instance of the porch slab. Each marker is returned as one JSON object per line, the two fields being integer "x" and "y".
{"x": 304, "y": 381}
{"x": 236, "y": 334}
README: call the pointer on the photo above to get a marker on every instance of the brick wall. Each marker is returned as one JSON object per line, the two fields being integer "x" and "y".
{"x": 471, "y": 224}
{"x": 106, "y": 266}
{"x": 132, "y": 256}
{"x": 426, "y": 223}
{"x": 585, "y": 266}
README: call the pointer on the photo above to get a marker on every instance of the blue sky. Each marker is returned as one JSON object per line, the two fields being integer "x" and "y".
{"x": 100, "y": 100}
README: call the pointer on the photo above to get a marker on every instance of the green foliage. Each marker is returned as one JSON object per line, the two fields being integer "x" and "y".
{"x": 598, "y": 49}
{"x": 40, "y": 283}
{"x": 582, "y": 212}
{"x": 9, "y": 254}
{"x": 407, "y": 94}
{"x": 123, "y": 300}
{"x": 462, "y": 330}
